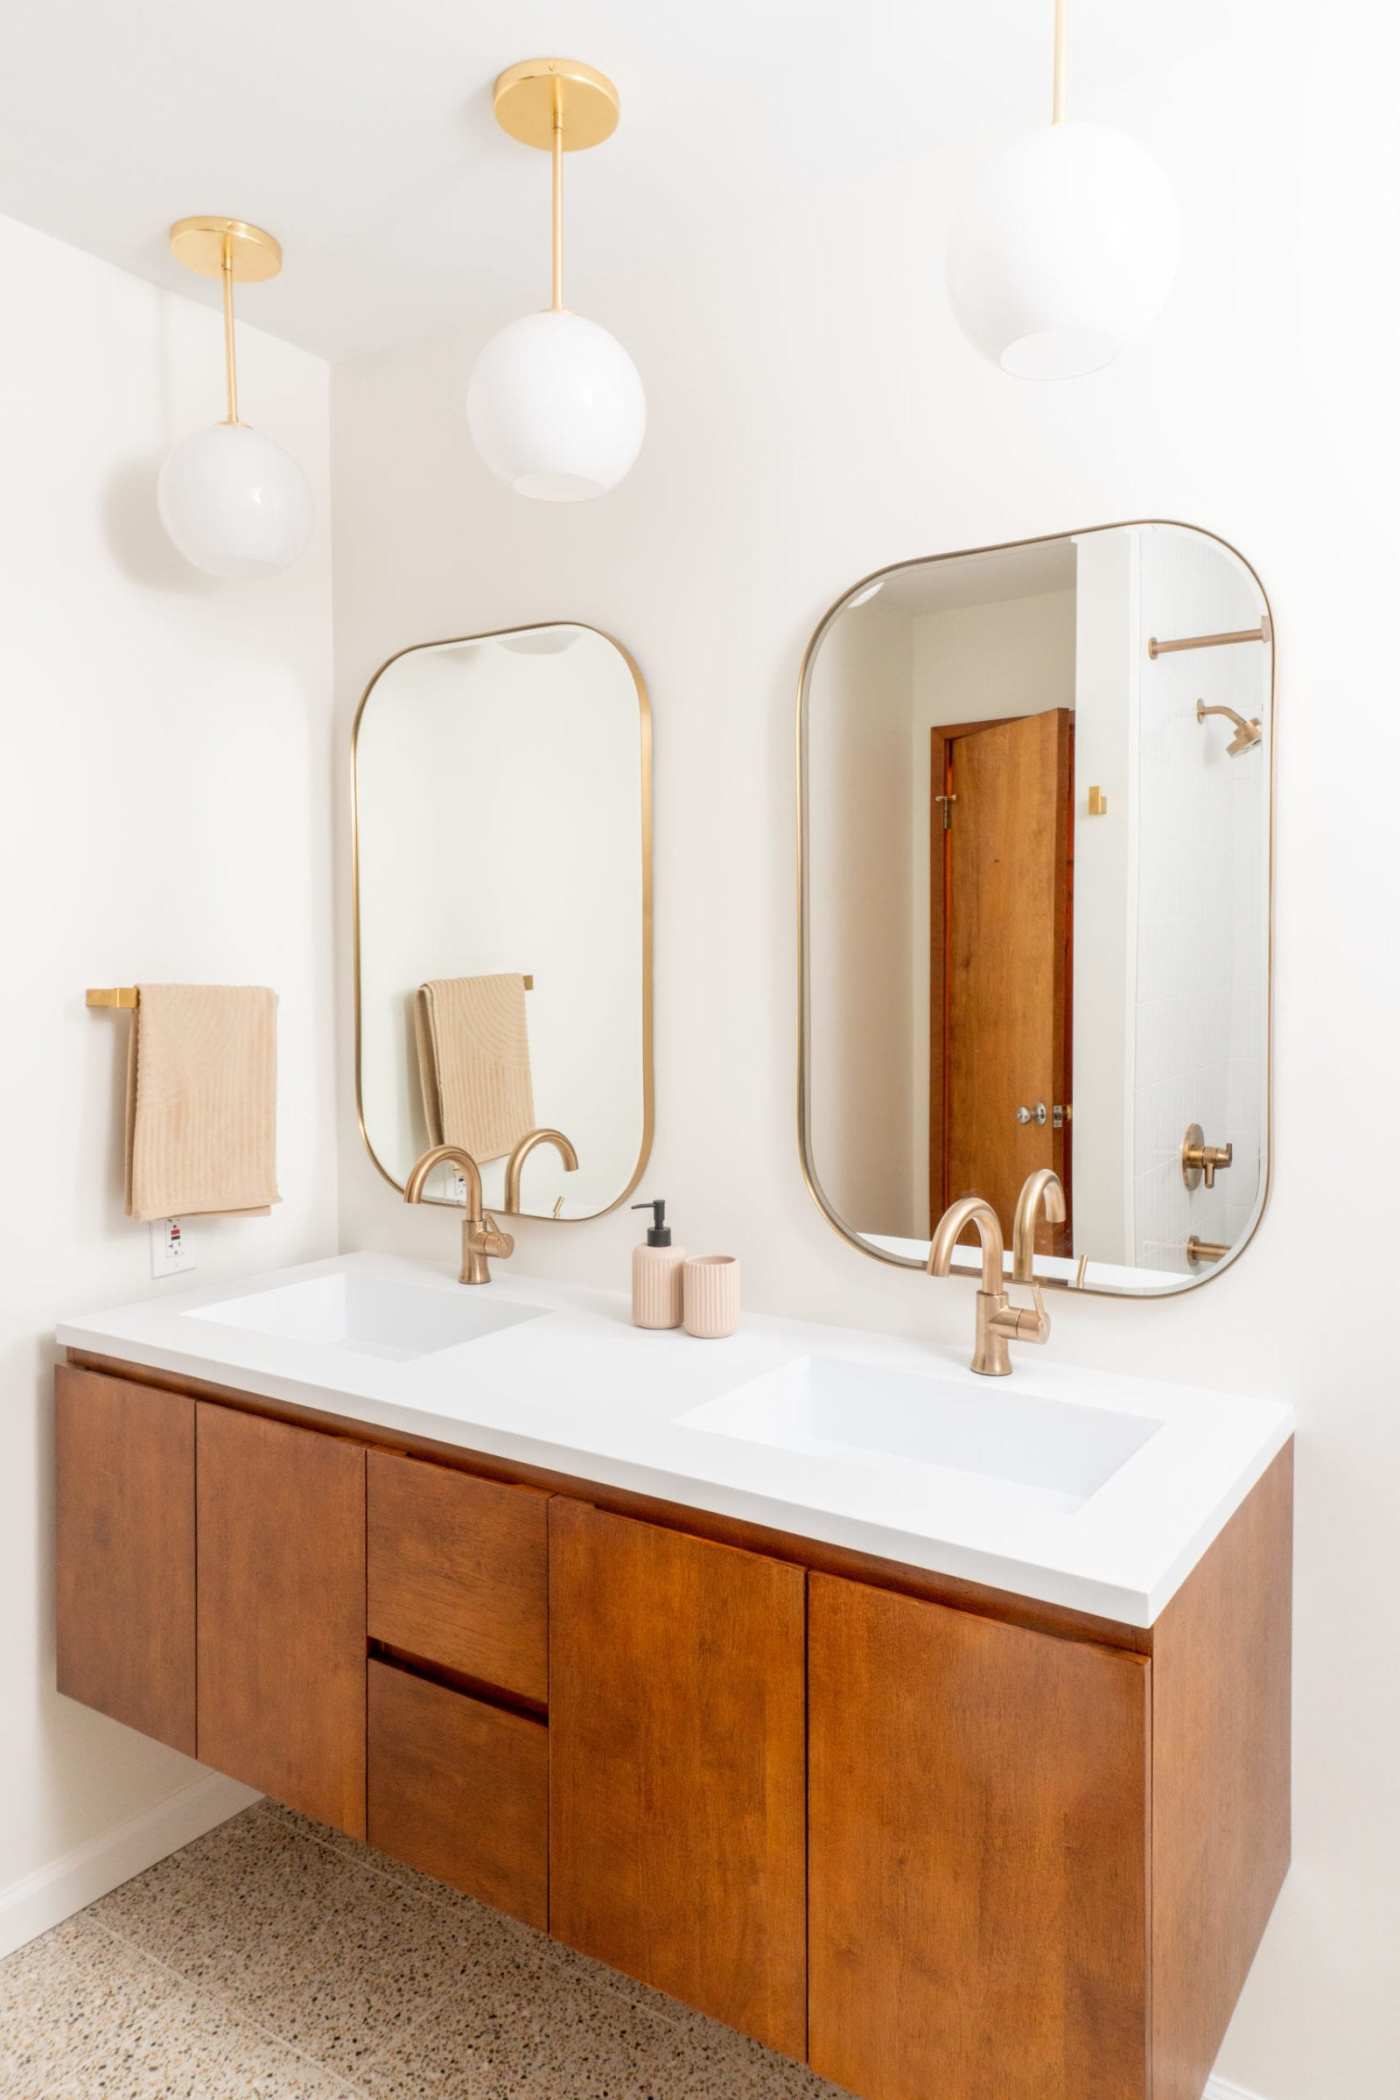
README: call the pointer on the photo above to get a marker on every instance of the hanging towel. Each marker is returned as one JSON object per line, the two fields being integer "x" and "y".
{"x": 201, "y": 1100}
{"x": 474, "y": 1063}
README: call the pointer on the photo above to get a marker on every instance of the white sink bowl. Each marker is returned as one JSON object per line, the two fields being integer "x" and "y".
{"x": 370, "y": 1315}
{"x": 1050, "y": 1452}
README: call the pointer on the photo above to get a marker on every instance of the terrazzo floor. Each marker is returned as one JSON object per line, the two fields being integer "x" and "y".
{"x": 276, "y": 1960}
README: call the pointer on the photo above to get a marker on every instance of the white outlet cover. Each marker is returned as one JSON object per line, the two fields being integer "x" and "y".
{"x": 172, "y": 1251}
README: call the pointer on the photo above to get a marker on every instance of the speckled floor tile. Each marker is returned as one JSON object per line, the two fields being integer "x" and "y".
{"x": 276, "y": 1960}
{"x": 86, "y": 2016}
{"x": 300, "y": 1938}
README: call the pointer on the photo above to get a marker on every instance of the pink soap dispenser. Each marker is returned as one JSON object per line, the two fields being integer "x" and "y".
{"x": 658, "y": 1273}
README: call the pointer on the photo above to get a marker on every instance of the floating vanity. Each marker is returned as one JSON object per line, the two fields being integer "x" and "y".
{"x": 930, "y": 1729}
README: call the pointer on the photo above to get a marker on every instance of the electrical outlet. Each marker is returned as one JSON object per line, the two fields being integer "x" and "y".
{"x": 171, "y": 1249}
{"x": 459, "y": 1186}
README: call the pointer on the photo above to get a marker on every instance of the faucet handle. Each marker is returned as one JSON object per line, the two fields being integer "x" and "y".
{"x": 1032, "y": 1324}
{"x": 492, "y": 1241}
{"x": 1200, "y": 1161}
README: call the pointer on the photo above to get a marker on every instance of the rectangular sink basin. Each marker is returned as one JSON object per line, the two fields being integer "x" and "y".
{"x": 828, "y": 1407}
{"x": 371, "y": 1315}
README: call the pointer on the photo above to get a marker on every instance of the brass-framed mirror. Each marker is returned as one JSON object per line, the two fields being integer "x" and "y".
{"x": 502, "y": 844}
{"x": 1035, "y": 877}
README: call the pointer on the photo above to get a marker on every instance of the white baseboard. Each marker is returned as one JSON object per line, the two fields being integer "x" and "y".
{"x": 1222, "y": 2089}
{"x": 54, "y": 1892}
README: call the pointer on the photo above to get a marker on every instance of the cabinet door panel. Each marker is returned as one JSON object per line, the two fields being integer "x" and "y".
{"x": 282, "y": 1612}
{"x": 676, "y": 1766}
{"x": 978, "y": 1855}
{"x": 461, "y": 1791}
{"x": 125, "y": 1552}
{"x": 458, "y": 1572}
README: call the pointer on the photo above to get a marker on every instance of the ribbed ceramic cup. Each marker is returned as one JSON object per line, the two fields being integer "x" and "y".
{"x": 711, "y": 1296}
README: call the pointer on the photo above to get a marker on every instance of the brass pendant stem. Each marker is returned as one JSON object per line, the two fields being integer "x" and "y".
{"x": 1057, "y": 100}
{"x": 556, "y": 143}
{"x": 230, "y": 357}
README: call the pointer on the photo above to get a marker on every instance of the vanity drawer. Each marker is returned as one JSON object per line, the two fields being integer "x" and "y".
{"x": 458, "y": 1572}
{"x": 460, "y": 1790}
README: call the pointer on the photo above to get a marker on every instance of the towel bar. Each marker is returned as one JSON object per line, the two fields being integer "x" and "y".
{"x": 113, "y": 995}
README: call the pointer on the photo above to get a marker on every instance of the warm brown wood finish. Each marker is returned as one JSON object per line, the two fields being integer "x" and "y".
{"x": 125, "y": 1551}
{"x": 458, "y": 1572}
{"x": 676, "y": 1731}
{"x": 1221, "y": 1809}
{"x": 461, "y": 1791}
{"x": 281, "y": 1560}
{"x": 1002, "y": 898}
{"x": 675, "y": 1516}
{"x": 978, "y": 1862}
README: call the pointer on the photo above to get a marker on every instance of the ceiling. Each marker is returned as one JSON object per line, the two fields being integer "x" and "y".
{"x": 1029, "y": 569}
{"x": 362, "y": 134}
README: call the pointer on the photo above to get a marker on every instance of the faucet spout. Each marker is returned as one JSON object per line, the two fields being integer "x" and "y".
{"x": 562, "y": 1145}
{"x": 998, "y": 1320}
{"x": 481, "y": 1236}
{"x": 1044, "y": 1192}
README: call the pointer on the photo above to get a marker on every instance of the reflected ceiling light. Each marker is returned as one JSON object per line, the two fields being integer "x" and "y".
{"x": 1067, "y": 247}
{"x": 554, "y": 403}
{"x": 235, "y": 504}
{"x": 864, "y": 597}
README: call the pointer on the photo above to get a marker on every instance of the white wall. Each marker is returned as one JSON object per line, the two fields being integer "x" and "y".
{"x": 860, "y": 1074}
{"x": 1200, "y": 1019}
{"x": 164, "y": 814}
{"x": 814, "y": 415}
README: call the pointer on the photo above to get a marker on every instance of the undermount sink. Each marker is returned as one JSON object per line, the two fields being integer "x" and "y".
{"x": 370, "y": 1315}
{"x": 828, "y": 1407}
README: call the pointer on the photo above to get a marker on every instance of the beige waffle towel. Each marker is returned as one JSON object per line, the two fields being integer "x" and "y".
{"x": 201, "y": 1100}
{"x": 474, "y": 1062}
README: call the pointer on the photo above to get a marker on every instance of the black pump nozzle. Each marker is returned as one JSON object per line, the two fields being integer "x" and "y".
{"x": 658, "y": 1232}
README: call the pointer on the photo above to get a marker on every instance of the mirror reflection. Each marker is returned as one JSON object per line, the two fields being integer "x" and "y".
{"x": 1036, "y": 810}
{"x": 503, "y": 970}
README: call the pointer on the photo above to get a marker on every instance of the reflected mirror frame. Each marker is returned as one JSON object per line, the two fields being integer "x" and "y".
{"x": 804, "y": 1133}
{"x": 454, "y": 641}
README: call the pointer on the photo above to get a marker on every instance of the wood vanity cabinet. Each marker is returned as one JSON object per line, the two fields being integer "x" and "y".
{"x": 677, "y": 1814}
{"x": 124, "y": 1469}
{"x": 941, "y": 1842}
{"x": 280, "y": 1574}
{"x": 978, "y": 1801}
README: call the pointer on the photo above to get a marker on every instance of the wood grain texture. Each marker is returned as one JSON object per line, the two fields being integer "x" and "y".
{"x": 1221, "y": 1805}
{"x": 679, "y": 1516}
{"x": 1002, "y": 901}
{"x": 677, "y": 1766}
{"x": 459, "y": 1572}
{"x": 125, "y": 1553}
{"x": 978, "y": 1856}
{"x": 460, "y": 1791}
{"x": 281, "y": 1637}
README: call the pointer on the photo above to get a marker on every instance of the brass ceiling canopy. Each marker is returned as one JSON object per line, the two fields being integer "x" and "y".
{"x": 210, "y": 245}
{"x": 540, "y": 95}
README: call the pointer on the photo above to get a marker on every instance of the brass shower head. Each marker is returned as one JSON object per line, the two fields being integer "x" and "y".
{"x": 1246, "y": 735}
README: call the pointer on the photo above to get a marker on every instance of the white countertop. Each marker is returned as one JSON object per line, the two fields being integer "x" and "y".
{"x": 583, "y": 1392}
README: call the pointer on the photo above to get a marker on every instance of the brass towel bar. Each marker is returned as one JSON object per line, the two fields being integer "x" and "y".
{"x": 1262, "y": 633}
{"x": 129, "y": 995}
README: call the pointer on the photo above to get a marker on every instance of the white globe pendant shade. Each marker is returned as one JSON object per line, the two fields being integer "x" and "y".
{"x": 556, "y": 407}
{"x": 235, "y": 504}
{"x": 1065, "y": 251}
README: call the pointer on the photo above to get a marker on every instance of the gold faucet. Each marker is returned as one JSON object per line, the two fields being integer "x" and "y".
{"x": 998, "y": 1320}
{"x": 481, "y": 1235}
{"x": 522, "y": 1152}
{"x": 1045, "y": 1191}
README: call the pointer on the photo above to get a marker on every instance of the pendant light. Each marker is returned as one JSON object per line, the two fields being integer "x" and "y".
{"x": 1068, "y": 248}
{"x": 235, "y": 504}
{"x": 555, "y": 405}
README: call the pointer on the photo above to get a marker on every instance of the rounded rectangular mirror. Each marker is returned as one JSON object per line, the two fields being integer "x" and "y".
{"x": 502, "y": 837}
{"x": 1036, "y": 901}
